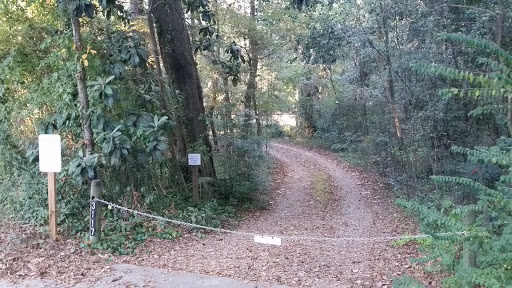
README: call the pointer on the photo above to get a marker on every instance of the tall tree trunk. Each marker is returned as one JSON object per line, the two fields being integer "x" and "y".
{"x": 500, "y": 22}
{"x": 363, "y": 77}
{"x": 259, "y": 130}
{"x": 179, "y": 137}
{"x": 227, "y": 106}
{"x": 156, "y": 54}
{"x": 329, "y": 69}
{"x": 390, "y": 82}
{"x": 212, "y": 111}
{"x": 180, "y": 65}
{"x": 365, "y": 117}
{"x": 83, "y": 97}
{"x": 192, "y": 29}
{"x": 307, "y": 94}
{"x": 179, "y": 142}
{"x": 163, "y": 100}
{"x": 252, "y": 85}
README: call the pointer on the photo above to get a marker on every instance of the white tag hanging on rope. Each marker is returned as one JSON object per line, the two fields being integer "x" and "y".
{"x": 267, "y": 240}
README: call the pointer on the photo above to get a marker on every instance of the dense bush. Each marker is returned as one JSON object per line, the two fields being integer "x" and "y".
{"x": 489, "y": 235}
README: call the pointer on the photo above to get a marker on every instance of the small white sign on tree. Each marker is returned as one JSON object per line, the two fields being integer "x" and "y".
{"x": 194, "y": 159}
{"x": 50, "y": 159}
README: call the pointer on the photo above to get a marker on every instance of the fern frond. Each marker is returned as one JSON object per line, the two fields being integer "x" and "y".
{"x": 494, "y": 65}
{"x": 481, "y": 44}
{"x": 460, "y": 180}
{"x": 451, "y": 73}
{"x": 485, "y": 110}
{"x": 490, "y": 155}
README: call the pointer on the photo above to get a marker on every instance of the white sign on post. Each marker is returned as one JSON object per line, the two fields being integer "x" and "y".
{"x": 49, "y": 153}
{"x": 194, "y": 159}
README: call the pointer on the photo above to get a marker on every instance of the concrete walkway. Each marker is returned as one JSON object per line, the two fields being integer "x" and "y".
{"x": 124, "y": 275}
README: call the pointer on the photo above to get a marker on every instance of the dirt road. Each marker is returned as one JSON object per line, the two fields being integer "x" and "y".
{"x": 316, "y": 196}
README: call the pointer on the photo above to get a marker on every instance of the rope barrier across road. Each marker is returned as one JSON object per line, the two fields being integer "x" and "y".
{"x": 274, "y": 239}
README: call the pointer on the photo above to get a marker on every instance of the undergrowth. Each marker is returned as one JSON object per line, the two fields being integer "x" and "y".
{"x": 244, "y": 174}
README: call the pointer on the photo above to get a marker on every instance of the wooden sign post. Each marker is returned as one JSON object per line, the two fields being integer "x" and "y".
{"x": 194, "y": 161}
{"x": 50, "y": 162}
{"x": 52, "y": 204}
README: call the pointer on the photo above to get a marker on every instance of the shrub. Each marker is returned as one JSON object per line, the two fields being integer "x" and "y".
{"x": 490, "y": 236}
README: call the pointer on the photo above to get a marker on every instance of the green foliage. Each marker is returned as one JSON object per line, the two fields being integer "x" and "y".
{"x": 494, "y": 82}
{"x": 242, "y": 170}
{"x": 122, "y": 232}
{"x": 406, "y": 281}
{"x": 491, "y": 234}
{"x": 120, "y": 236}
{"x": 338, "y": 50}
{"x": 420, "y": 241}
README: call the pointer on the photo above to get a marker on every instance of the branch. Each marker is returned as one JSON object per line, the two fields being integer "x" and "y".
{"x": 373, "y": 46}
{"x": 405, "y": 83}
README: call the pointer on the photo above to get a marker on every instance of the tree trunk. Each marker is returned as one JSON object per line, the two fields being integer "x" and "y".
{"x": 468, "y": 251}
{"x": 163, "y": 99}
{"x": 227, "y": 106}
{"x": 252, "y": 85}
{"x": 180, "y": 65}
{"x": 193, "y": 35}
{"x": 212, "y": 110}
{"x": 390, "y": 82}
{"x": 156, "y": 54}
{"x": 259, "y": 130}
{"x": 363, "y": 77}
{"x": 308, "y": 93}
{"x": 499, "y": 22}
{"x": 83, "y": 97}
{"x": 329, "y": 69}
{"x": 179, "y": 137}
{"x": 179, "y": 142}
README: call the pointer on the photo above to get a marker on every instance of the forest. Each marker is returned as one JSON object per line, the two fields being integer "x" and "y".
{"x": 417, "y": 92}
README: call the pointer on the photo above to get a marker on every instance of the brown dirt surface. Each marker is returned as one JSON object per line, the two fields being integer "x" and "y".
{"x": 351, "y": 204}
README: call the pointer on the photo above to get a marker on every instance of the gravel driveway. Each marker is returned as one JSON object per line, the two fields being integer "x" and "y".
{"x": 354, "y": 206}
